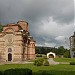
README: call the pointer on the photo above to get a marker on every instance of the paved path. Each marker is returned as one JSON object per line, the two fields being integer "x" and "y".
{"x": 52, "y": 62}
{"x": 18, "y": 62}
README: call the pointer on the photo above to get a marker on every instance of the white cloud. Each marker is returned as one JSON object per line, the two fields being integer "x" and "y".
{"x": 50, "y": 27}
{"x": 52, "y": 31}
{"x": 46, "y": 44}
{"x": 49, "y": 44}
{"x": 60, "y": 38}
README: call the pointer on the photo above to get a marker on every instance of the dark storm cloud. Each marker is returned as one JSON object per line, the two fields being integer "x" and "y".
{"x": 60, "y": 10}
{"x": 35, "y": 11}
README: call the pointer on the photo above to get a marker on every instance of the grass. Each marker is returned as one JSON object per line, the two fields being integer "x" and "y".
{"x": 64, "y": 59}
{"x": 60, "y": 67}
{"x": 37, "y": 68}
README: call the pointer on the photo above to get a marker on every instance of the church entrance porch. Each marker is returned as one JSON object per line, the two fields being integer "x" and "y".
{"x": 51, "y": 56}
{"x": 9, "y": 57}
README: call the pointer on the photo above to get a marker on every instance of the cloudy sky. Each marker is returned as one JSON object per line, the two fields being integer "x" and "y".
{"x": 51, "y": 22}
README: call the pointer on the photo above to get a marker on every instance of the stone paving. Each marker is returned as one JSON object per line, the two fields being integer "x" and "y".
{"x": 18, "y": 62}
{"x": 52, "y": 62}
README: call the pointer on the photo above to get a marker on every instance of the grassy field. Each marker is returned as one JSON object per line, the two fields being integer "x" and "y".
{"x": 64, "y": 59}
{"x": 59, "y": 67}
{"x": 37, "y": 68}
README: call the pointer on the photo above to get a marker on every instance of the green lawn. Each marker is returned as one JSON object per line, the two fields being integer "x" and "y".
{"x": 37, "y": 68}
{"x": 60, "y": 67}
{"x": 64, "y": 59}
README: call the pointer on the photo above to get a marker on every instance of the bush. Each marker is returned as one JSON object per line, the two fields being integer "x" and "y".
{"x": 18, "y": 72}
{"x": 72, "y": 63}
{"x": 35, "y": 62}
{"x": 54, "y": 72}
{"x": 39, "y": 55}
{"x": 43, "y": 72}
{"x": 1, "y": 73}
{"x": 46, "y": 63}
{"x": 9, "y": 72}
{"x": 39, "y": 62}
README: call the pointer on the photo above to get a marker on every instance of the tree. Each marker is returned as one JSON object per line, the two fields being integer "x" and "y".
{"x": 67, "y": 54}
{"x": 1, "y": 27}
{"x": 61, "y": 50}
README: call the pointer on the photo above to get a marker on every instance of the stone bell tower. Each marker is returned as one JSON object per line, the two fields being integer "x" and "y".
{"x": 72, "y": 45}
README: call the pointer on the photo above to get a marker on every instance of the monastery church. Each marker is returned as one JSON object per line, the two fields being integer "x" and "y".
{"x": 16, "y": 43}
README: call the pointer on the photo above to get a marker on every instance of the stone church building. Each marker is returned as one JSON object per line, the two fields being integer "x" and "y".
{"x": 16, "y": 43}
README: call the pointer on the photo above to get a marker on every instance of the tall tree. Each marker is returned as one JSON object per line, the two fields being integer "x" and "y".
{"x": 61, "y": 50}
{"x": 1, "y": 27}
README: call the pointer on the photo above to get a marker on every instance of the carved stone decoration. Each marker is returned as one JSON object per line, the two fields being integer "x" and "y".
{"x": 9, "y": 39}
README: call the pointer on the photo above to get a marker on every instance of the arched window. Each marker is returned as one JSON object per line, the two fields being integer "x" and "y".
{"x": 9, "y": 50}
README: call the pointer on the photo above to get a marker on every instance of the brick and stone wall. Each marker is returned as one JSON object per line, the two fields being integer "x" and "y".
{"x": 13, "y": 46}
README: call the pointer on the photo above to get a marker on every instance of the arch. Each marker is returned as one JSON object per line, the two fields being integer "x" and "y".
{"x": 9, "y": 57}
{"x": 9, "y": 49}
{"x": 50, "y": 55}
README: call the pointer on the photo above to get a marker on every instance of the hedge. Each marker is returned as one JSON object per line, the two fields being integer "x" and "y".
{"x": 47, "y": 72}
{"x": 1, "y": 73}
{"x": 18, "y": 72}
{"x": 22, "y": 71}
{"x": 72, "y": 63}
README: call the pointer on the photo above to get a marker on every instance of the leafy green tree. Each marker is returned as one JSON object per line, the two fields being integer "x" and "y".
{"x": 67, "y": 54}
{"x": 1, "y": 27}
{"x": 61, "y": 50}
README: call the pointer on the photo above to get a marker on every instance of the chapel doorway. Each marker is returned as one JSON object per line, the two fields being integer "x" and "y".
{"x": 9, "y": 57}
{"x": 51, "y": 56}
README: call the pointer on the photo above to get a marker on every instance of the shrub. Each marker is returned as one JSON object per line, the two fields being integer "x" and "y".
{"x": 18, "y": 72}
{"x": 9, "y": 72}
{"x": 39, "y": 62}
{"x": 54, "y": 72}
{"x": 43, "y": 72}
{"x": 39, "y": 55}
{"x": 35, "y": 62}
{"x": 46, "y": 63}
{"x": 23, "y": 72}
{"x": 72, "y": 63}
{"x": 1, "y": 73}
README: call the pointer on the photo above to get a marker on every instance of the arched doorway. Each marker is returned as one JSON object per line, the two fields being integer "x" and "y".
{"x": 9, "y": 57}
{"x": 51, "y": 56}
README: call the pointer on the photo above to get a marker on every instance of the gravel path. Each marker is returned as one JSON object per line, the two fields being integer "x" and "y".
{"x": 51, "y": 61}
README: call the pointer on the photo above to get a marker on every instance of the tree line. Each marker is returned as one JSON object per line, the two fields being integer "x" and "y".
{"x": 58, "y": 51}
